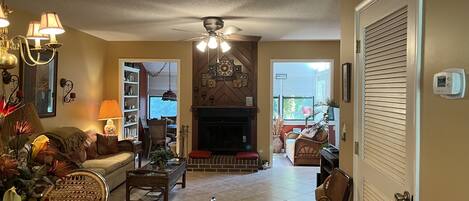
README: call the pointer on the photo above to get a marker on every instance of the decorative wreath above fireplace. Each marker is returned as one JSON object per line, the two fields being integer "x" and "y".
{"x": 225, "y": 70}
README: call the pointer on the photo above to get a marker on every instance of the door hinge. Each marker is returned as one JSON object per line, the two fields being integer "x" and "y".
{"x": 358, "y": 46}
{"x": 355, "y": 147}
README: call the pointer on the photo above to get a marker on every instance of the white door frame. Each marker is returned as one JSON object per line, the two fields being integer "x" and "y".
{"x": 415, "y": 16}
{"x": 178, "y": 87}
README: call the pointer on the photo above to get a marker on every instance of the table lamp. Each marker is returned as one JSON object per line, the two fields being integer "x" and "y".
{"x": 109, "y": 110}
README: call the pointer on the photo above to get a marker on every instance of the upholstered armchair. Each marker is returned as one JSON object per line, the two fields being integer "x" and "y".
{"x": 305, "y": 151}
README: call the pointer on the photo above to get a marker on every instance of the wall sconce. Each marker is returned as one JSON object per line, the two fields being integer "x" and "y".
{"x": 15, "y": 95}
{"x": 67, "y": 86}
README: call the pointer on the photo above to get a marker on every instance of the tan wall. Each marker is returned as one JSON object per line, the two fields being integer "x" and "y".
{"x": 81, "y": 55}
{"x": 153, "y": 50}
{"x": 347, "y": 43}
{"x": 444, "y": 123}
{"x": 286, "y": 50}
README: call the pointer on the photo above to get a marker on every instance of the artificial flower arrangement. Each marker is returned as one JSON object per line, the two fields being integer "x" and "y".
{"x": 29, "y": 165}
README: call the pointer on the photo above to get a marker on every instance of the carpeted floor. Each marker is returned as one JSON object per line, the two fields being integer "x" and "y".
{"x": 283, "y": 182}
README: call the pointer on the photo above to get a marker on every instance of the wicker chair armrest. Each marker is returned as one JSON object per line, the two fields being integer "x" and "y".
{"x": 125, "y": 145}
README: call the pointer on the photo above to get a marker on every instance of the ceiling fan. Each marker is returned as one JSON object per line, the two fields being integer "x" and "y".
{"x": 218, "y": 35}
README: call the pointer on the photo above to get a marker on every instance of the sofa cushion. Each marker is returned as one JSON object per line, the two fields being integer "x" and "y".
{"x": 248, "y": 155}
{"x": 110, "y": 163}
{"x": 200, "y": 154}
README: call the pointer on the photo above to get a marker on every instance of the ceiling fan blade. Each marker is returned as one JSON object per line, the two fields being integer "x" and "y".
{"x": 198, "y": 38}
{"x": 231, "y": 30}
{"x": 237, "y": 37}
{"x": 187, "y": 31}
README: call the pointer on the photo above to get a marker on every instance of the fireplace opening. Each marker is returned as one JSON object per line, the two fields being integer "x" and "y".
{"x": 225, "y": 131}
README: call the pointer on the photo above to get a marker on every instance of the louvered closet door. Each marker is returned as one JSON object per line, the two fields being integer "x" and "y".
{"x": 386, "y": 109}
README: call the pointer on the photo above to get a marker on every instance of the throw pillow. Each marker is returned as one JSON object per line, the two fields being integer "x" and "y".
{"x": 78, "y": 156}
{"x": 91, "y": 151}
{"x": 107, "y": 144}
{"x": 200, "y": 154}
{"x": 308, "y": 132}
{"x": 90, "y": 145}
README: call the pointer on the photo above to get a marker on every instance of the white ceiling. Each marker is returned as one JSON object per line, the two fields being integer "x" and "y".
{"x": 154, "y": 20}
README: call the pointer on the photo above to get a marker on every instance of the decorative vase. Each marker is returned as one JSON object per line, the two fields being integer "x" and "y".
{"x": 278, "y": 145}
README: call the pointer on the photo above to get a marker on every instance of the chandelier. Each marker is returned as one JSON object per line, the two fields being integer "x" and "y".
{"x": 213, "y": 42}
{"x": 169, "y": 95}
{"x": 46, "y": 29}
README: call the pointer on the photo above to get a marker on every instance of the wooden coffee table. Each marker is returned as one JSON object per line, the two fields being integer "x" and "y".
{"x": 150, "y": 178}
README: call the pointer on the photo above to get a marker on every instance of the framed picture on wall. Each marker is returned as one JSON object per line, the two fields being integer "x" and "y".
{"x": 346, "y": 81}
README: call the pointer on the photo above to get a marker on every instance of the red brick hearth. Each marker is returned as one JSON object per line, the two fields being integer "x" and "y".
{"x": 222, "y": 163}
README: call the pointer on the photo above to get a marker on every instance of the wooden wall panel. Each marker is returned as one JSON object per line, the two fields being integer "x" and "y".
{"x": 225, "y": 94}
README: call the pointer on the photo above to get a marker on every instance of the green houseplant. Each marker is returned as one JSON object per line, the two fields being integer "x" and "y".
{"x": 160, "y": 157}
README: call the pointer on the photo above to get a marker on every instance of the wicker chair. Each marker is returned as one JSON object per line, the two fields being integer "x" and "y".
{"x": 337, "y": 187}
{"x": 80, "y": 185}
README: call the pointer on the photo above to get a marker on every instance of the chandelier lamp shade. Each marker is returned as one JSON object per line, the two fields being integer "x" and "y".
{"x": 46, "y": 29}
{"x": 3, "y": 18}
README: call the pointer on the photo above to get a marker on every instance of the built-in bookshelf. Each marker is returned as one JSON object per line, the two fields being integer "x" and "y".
{"x": 130, "y": 102}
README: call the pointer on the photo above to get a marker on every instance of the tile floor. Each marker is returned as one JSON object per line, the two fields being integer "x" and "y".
{"x": 283, "y": 182}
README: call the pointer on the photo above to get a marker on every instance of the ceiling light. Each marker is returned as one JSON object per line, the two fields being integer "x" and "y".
{"x": 202, "y": 46}
{"x": 225, "y": 47}
{"x": 46, "y": 29}
{"x": 212, "y": 42}
{"x": 3, "y": 18}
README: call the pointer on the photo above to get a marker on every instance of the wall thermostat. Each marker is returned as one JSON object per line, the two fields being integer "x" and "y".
{"x": 450, "y": 83}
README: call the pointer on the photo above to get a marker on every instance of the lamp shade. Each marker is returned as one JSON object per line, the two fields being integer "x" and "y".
{"x": 33, "y": 31}
{"x": 50, "y": 24}
{"x": 109, "y": 110}
{"x": 3, "y": 18}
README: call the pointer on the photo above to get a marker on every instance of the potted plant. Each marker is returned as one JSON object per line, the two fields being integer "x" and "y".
{"x": 332, "y": 109}
{"x": 276, "y": 132}
{"x": 160, "y": 157}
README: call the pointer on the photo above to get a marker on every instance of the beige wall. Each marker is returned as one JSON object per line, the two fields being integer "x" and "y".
{"x": 347, "y": 43}
{"x": 444, "y": 123}
{"x": 286, "y": 50}
{"x": 153, "y": 50}
{"x": 81, "y": 55}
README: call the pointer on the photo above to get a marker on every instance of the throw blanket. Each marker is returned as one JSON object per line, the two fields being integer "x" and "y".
{"x": 69, "y": 138}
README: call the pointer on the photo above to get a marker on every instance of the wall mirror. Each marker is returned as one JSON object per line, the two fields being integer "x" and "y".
{"x": 39, "y": 84}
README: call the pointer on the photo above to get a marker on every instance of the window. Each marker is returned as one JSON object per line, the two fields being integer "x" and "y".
{"x": 299, "y": 87}
{"x": 158, "y": 108}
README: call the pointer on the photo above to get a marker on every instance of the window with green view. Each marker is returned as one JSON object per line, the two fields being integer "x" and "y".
{"x": 300, "y": 85}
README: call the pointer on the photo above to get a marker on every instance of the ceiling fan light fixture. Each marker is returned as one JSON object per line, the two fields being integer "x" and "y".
{"x": 225, "y": 47}
{"x": 202, "y": 46}
{"x": 212, "y": 42}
